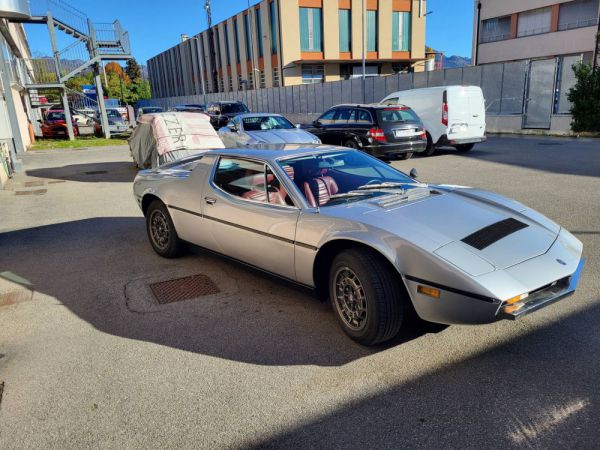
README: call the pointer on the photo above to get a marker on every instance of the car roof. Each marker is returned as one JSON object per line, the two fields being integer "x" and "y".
{"x": 251, "y": 114}
{"x": 284, "y": 151}
{"x": 364, "y": 105}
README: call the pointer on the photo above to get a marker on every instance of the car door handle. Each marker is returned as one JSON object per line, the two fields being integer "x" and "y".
{"x": 210, "y": 200}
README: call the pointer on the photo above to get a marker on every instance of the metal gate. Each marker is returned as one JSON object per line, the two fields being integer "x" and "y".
{"x": 539, "y": 99}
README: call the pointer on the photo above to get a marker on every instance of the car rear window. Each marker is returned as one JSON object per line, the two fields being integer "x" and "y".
{"x": 394, "y": 115}
{"x": 228, "y": 108}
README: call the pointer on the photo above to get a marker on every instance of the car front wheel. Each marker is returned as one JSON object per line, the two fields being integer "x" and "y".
{"x": 161, "y": 231}
{"x": 366, "y": 296}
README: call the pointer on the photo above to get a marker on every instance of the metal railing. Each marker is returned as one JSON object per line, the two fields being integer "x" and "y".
{"x": 578, "y": 24}
{"x": 44, "y": 70}
{"x": 62, "y": 12}
{"x": 111, "y": 38}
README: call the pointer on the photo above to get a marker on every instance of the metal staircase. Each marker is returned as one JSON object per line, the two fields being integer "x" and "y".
{"x": 93, "y": 44}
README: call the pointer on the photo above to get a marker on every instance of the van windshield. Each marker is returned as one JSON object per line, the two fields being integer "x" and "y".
{"x": 397, "y": 114}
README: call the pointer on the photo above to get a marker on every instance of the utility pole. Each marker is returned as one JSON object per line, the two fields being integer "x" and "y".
{"x": 364, "y": 44}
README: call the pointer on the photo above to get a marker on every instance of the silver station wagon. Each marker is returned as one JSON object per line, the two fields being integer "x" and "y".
{"x": 375, "y": 241}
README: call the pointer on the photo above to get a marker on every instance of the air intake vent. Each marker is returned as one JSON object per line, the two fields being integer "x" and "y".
{"x": 493, "y": 233}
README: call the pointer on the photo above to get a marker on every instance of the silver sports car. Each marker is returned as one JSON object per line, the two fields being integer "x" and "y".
{"x": 261, "y": 130}
{"x": 375, "y": 241}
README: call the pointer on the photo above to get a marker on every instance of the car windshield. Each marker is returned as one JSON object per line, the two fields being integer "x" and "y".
{"x": 55, "y": 115}
{"x": 228, "y": 108}
{"x": 152, "y": 110}
{"x": 396, "y": 114}
{"x": 344, "y": 176}
{"x": 113, "y": 114}
{"x": 265, "y": 123}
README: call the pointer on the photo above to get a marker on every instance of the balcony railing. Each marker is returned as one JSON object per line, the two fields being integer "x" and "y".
{"x": 593, "y": 21}
{"x": 61, "y": 11}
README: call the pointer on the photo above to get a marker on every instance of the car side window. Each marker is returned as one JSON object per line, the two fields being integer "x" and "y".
{"x": 360, "y": 116}
{"x": 327, "y": 117}
{"x": 249, "y": 180}
{"x": 342, "y": 116}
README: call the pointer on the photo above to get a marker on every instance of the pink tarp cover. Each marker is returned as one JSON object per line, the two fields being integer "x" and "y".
{"x": 181, "y": 130}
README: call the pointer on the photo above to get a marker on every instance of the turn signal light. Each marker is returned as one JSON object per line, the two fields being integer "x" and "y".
{"x": 429, "y": 291}
{"x": 516, "y": 299}
{"x": 511, "y": 308}
{"x": 377, "y": 134}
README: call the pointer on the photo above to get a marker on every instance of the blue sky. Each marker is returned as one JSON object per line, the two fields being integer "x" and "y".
{"x": 156, "y": 25}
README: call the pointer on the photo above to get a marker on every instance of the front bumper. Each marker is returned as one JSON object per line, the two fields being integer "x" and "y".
{"x": 396, "y": 148}
{"x": 545, "y": 279}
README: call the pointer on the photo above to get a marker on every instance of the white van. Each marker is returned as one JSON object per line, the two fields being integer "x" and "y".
{"x": 452, "y": 115}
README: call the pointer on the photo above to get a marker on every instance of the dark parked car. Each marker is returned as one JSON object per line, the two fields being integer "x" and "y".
{"x": 382, "y": 131}
{"x": 221, "y": 112}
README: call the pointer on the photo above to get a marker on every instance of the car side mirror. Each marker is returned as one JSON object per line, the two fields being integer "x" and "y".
{"x": 316, "y": 123}
{"x": 414, "y": 173}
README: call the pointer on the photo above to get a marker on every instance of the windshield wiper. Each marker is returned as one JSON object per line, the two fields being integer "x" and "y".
{"x": 384, "y": 185}
{"x": 349, "y": 194}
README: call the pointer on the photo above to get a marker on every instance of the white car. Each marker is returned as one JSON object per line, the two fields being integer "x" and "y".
{"x": 452, "y": 115}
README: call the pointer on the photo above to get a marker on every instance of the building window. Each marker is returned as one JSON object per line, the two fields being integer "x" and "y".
{"x": 259, "y": 32}
{"x": 371, "y": 31}
{"x": 248, "y": 38}
{"x": 262, "y": 79}
{"x": 273, "y": 15}
{"x": 313, "y": 73}
{"x": 237, "y": 42}
{"x": 226, "y": 30}
{"x": 239, "y": 79}
{"x": 345, "y": 30}
{"x": 311, "y": 30}
{"x": 275, "y": 77}
{"x": 497, "y": 29}
{"x": 533, "y": 22}
{"x": 230, "y": 82}
{"x": 577, "y": 14}
{"x": 250, "y": 80}
{"x": 401, "y": 31}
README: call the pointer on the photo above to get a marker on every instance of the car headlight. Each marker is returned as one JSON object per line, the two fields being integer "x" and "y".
{"x": 317, "y": 141}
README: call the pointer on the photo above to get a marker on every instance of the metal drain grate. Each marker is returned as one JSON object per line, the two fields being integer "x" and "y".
{"x": 186, "y": 288}
{"x": 34, "y": 192}
{"x": 96, "y": 172}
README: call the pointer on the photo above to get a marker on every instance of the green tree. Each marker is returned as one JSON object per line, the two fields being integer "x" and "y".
{"x": 133, "y": 70}
{"x": 585, "y": 98}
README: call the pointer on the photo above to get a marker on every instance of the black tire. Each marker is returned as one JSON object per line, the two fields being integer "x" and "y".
{"x": 161, "y": 231}
{"x": 379, "y": 316}
{"x": 464, "y": 147}
{"x": 430, "y": 149}
{"x": 352, "y": 144}
{"x": 404, "y": 156}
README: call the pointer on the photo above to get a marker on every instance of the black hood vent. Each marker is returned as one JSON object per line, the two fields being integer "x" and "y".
{"x": 493, "y": 233}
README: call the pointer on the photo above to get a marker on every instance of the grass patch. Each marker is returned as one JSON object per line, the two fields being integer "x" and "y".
{"x": 80, "y": 142}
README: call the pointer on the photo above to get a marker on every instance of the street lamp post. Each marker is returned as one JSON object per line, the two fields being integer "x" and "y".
{"x": 364, "y": 44}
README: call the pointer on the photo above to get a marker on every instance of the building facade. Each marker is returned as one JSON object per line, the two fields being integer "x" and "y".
{"x": 289, "y": 42}
{"x": 514, "y": 30}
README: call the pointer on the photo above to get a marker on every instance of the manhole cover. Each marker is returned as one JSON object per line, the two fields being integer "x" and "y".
{"x": 96, "y": 172}
{"x": 186, "y": 288}
{"x": 34, "y": 192}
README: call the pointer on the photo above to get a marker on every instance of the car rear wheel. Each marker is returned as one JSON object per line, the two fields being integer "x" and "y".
{"x": 351, "y": 144}
{"x": 430, "y": 149}
{"x": 366, "y": 296}
{"x": 464, "y": 147}
{"x": 161, "y": 231}
{"x": 405, "y": 156}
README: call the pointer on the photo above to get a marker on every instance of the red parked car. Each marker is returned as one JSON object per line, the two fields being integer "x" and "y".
{"x": 55, "y": 125}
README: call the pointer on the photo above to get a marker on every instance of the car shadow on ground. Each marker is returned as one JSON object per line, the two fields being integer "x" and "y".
{"x": 562, "y": 156}
{"x": 101, "y": 269}
{"x": 540, "y": 391}
{"x": 115, "y": 172}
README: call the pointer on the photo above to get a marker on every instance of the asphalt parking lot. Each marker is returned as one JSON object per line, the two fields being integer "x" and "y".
{"x": 89, "y": 359}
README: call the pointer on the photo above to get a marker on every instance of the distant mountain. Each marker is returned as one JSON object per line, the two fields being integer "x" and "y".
{"x": 454, "y": 61}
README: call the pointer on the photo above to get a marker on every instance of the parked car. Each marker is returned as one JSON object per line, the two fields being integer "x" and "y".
{"x": 116, "y": 123}
{"x": 161, "y": 138}
{"x": 372, "y": 239}
{"x": 452, "y": 115}
{"x": 55, "y": 124}
{"x": 190, "y": 108}
{"x": 382, "y": 131}
{"x": 221, "y": 112}
{"x": 148, "y": 110}
{"x": 264, "y": 131}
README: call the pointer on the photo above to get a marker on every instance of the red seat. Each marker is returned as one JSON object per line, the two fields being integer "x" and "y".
{"x": 319, "y": 190}
{"x": 275, "y": 196}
